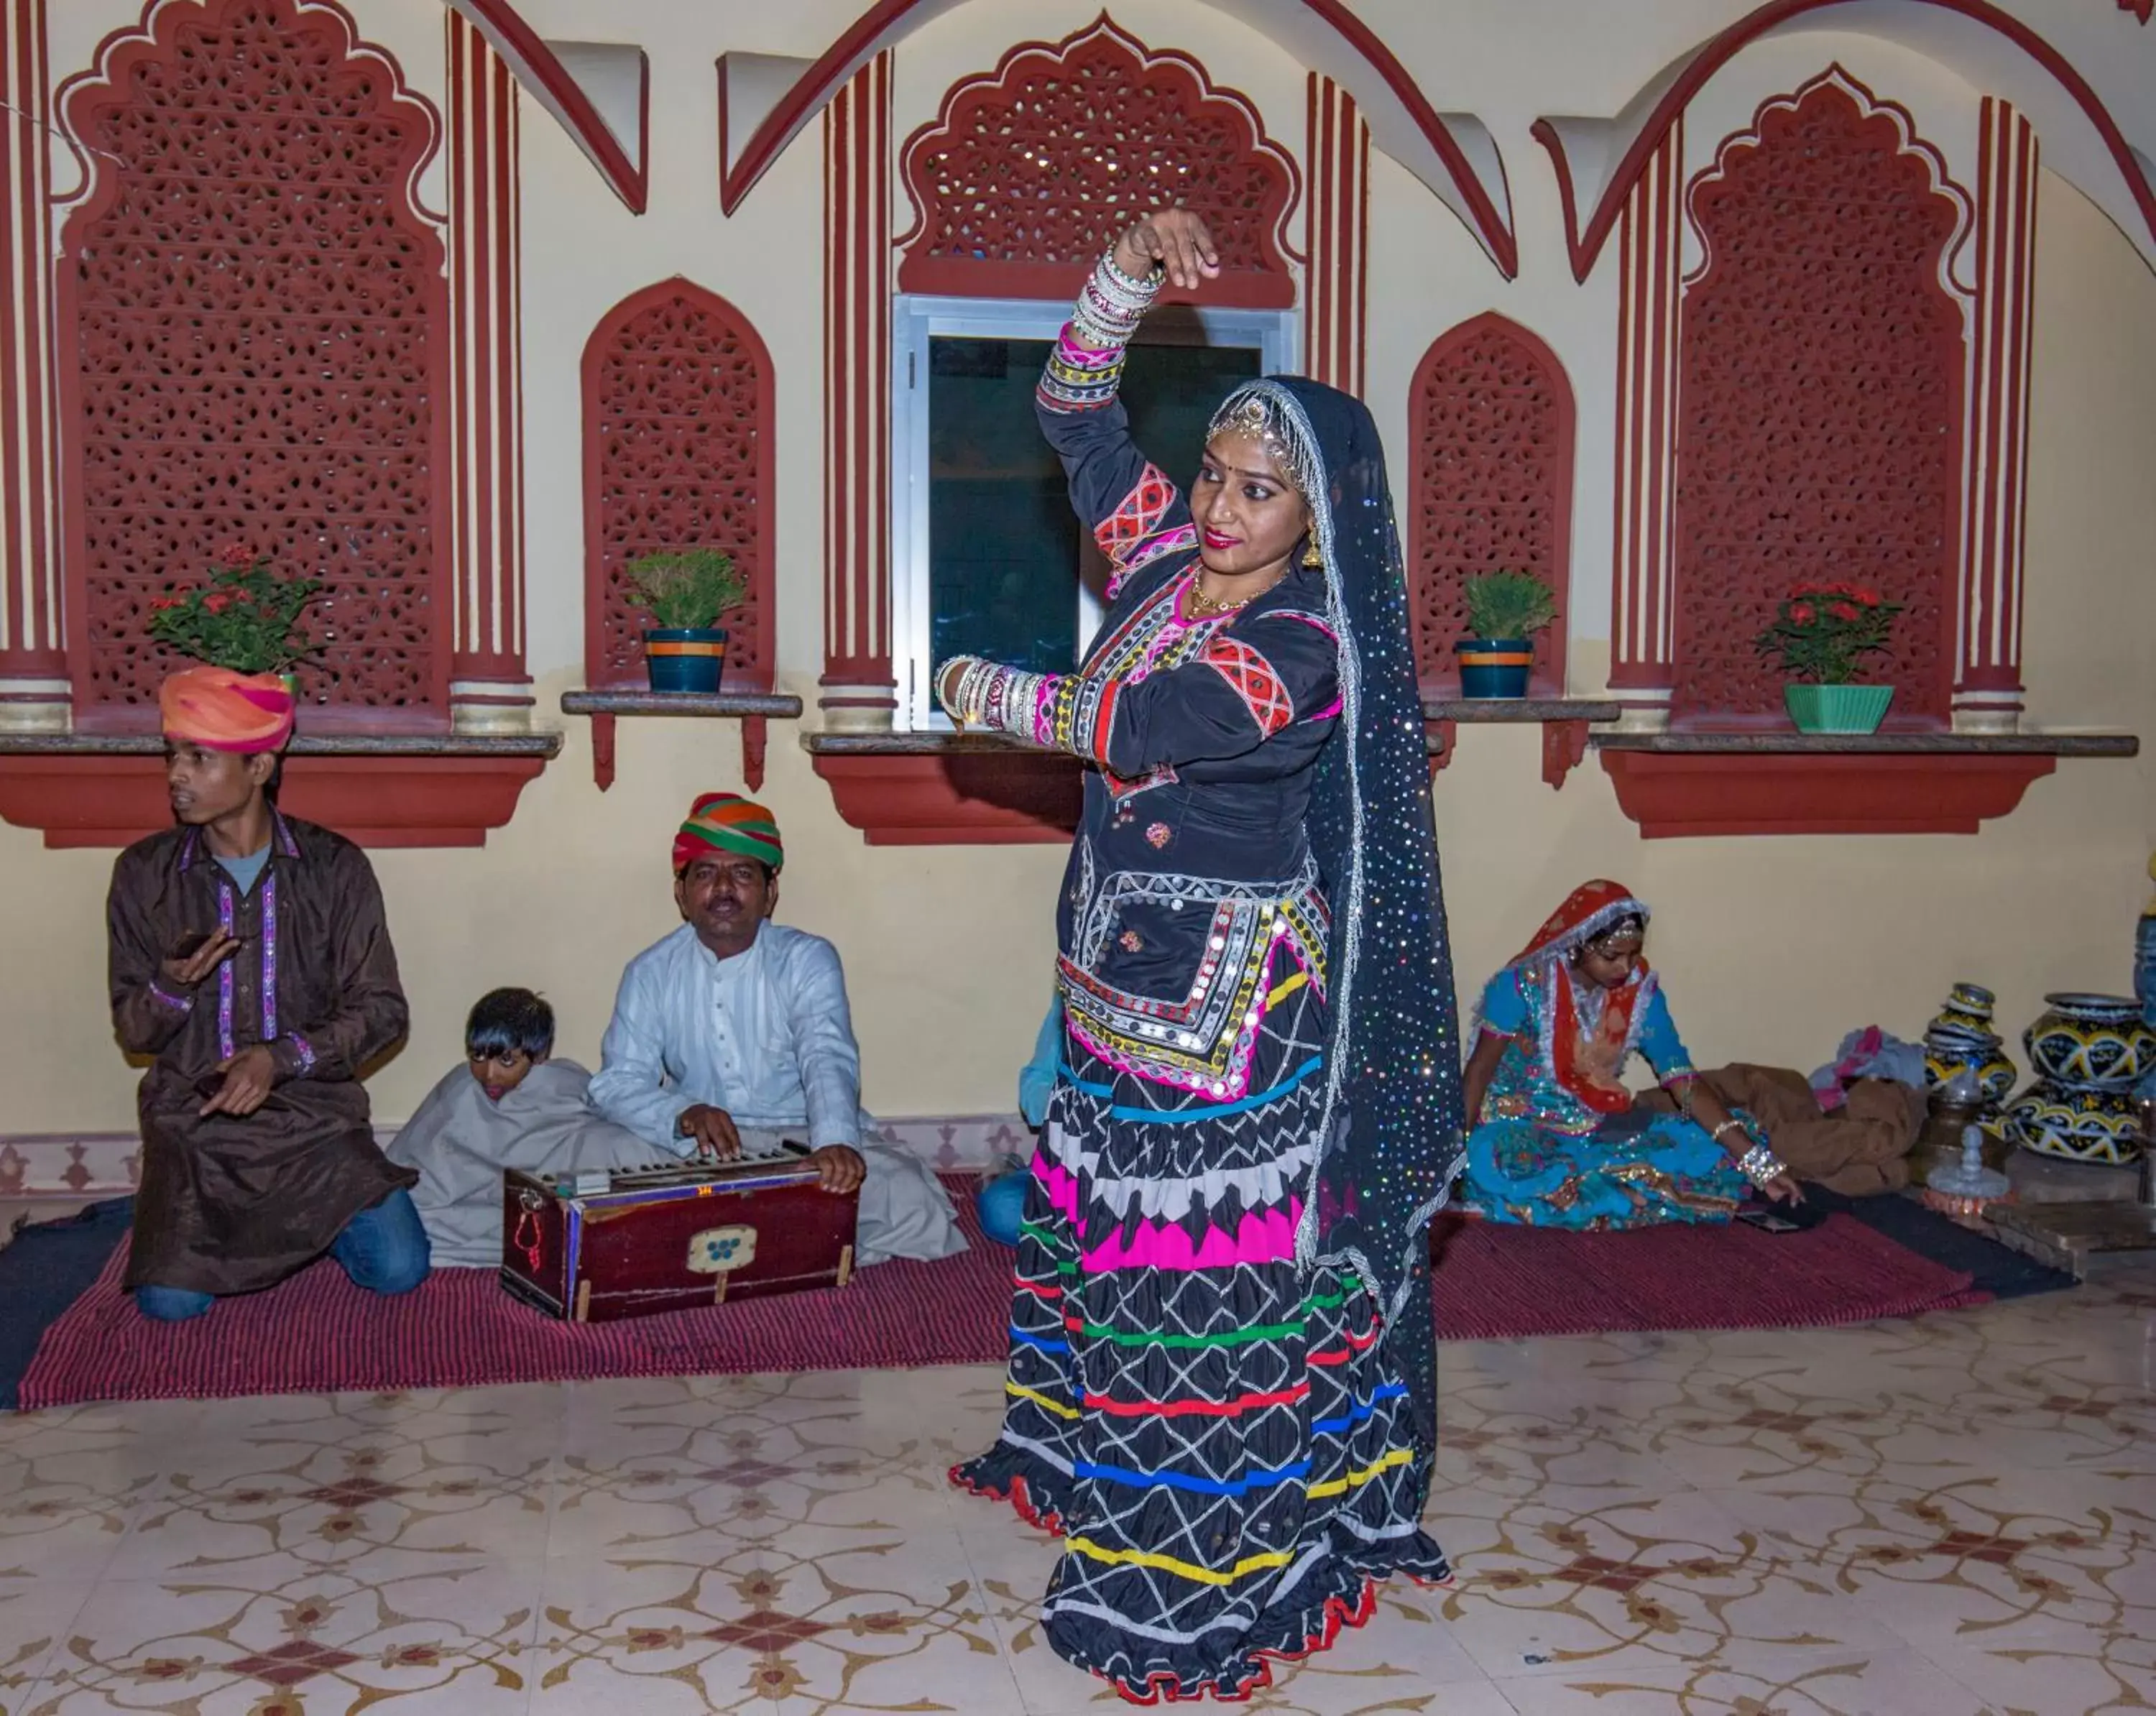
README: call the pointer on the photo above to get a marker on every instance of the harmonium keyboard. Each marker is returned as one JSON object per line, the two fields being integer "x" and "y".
{"x": 600, "y": 1245}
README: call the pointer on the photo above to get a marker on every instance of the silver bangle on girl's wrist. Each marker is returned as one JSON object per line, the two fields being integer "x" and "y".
{"x": 1761, "y": 1165}
{"x": 963, "y": 704}
{"x": 1111, "y": 303}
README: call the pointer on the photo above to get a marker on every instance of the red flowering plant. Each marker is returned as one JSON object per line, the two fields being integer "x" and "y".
{"x": 246, "y": 618}
{"x": 1820, "y": 631}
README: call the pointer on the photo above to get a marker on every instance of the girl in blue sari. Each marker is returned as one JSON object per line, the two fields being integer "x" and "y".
{"x": 1558, "y": 1140}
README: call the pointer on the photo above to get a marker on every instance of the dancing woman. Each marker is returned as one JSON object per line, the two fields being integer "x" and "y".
{"x": 1222, "y": 1390}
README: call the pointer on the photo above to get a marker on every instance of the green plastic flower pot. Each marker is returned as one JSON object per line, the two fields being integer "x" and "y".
{"x": 1837, "y": 709}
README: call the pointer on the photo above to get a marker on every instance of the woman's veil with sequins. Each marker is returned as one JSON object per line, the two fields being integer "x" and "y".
{"x": 1392, "y": 1120}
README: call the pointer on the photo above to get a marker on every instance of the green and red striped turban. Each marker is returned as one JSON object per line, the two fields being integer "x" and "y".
{"x": 726, "y": 822}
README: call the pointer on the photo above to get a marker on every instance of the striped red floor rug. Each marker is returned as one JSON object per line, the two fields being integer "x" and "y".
{"x": 317, "y": 1333}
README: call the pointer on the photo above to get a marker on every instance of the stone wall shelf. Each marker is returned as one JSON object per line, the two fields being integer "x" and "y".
{"x": 381, "y": 790}
{"x": 1564, "y": 722}
{"x": 949, "y": 788}
{"x": 753, "y": 709}
{"x": 1679, "y": 784}
{"x": 942, "y": 789}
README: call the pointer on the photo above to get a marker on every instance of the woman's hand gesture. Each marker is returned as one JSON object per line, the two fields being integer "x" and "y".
{"x": 1176, "y": 240}
{"x": 1782, "y": 1189}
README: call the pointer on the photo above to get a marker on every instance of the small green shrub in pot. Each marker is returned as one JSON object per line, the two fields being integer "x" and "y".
{"x": 1505, "y": 610}
{"x": 685, "y": 591}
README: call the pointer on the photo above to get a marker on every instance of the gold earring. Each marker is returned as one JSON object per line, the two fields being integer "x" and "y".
{"x": 1312, "y": 555}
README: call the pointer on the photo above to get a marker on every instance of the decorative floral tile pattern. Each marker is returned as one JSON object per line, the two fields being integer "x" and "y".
{"x": 1953, "y": 1517}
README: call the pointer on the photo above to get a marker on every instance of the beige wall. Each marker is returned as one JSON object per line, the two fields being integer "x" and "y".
{"x": 1772, "y": 947}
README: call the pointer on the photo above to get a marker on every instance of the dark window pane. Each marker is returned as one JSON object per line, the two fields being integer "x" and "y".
{"x": 1005, "y": 552}
{"x": 1003, "y": 545}
{"x": 1171, "y": 391}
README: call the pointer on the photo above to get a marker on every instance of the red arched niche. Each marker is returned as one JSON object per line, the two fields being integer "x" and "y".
{"x": 1027, "y": 174}
{"x": 678, "y": 435}
{"x": 1491, "y": 418}
{"x": 1821, "y": 400}
{"x": 254, "y": 353}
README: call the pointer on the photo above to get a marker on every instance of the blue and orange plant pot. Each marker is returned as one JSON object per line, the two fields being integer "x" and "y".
{"x": 1494, "y": 667}
{"x": 684, "y": 658}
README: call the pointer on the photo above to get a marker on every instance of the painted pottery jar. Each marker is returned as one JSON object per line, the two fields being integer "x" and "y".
{"x": 2099, "y": 1127}
{"x": 2090, "y": 1042}
{"x": 1970, "y": 1007}
{"x": 1947, "y": 1049}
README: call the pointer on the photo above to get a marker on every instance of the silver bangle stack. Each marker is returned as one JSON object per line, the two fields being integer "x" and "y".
{"x": 1761, "y": 1165}
{"x": 968, "y": 700}
{"x": 988, "y": 694}
{"x": 1112, "y": 305}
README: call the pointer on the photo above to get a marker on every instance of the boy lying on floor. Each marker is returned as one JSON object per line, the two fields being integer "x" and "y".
{"x": 511, "y": 1105}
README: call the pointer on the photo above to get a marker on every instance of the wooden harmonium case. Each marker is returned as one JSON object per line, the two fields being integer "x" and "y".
{"x": 596, "y": 1247}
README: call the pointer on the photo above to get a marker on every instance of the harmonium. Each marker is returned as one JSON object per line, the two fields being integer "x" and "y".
{"x": 596, "y": 1246}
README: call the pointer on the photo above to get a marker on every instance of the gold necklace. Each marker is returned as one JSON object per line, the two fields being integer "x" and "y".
{"x": 1201, "y": 606}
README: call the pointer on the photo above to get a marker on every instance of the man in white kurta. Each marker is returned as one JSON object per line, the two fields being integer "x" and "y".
{"x": 733, "y": 1032}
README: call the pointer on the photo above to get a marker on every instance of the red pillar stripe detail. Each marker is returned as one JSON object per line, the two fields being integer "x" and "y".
{"x": 857, "y": 261}
{"x": 1995, "y": 503}
{"x": 486, "y": 409}
{"x": 1651, "y": 257}
{"x": 1336, "y": 225}
{"x": 31, "y": 646}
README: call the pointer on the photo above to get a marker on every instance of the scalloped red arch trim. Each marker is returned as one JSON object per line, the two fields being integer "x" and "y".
{"x": 1257, "y": 278}
{"x": 1586, "y": 242}
{"x": 884, "y": 23}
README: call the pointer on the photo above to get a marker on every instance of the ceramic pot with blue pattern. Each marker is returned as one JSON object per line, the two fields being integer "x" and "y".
{"x": 2091, "y": 1043}
{"x": 2098, "y": 1127}
{"x": 1968, "y": 1008}
{"x": 1947, "y": 1049}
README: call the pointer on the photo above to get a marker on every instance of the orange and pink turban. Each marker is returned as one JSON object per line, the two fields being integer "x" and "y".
{"x": 726, "y": 822}
{"x": 222, "y": 711}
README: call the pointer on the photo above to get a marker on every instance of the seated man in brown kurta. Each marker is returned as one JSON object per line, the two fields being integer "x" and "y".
{"x": 251, "y": 956}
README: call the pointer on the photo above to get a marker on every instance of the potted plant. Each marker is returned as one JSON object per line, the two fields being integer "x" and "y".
{"x": 246, "y": 618}
{"x": 1819, "y": 634}
{"x": 1505, "y": 610}
{"x": 685, "y": 591}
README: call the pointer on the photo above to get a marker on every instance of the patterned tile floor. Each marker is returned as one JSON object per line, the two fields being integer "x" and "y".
{"x": 1931, "y": 1519}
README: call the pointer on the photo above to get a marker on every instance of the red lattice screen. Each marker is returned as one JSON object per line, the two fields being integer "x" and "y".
{"x": 677, "y": 455}
{"x": 1820, "y": 404}
{"x": 254, "y": 350}
{"x": 1492, "y": 417}
{"x": 1026, "y": 177}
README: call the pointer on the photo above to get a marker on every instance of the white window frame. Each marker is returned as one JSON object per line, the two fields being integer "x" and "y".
{"x": 916, "y": 318}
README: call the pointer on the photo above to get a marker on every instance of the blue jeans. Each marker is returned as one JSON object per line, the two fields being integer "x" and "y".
{"x": 383, "y": 1250}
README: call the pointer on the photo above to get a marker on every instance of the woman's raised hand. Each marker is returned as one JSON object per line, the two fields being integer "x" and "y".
{"x": 1175, "y": 238}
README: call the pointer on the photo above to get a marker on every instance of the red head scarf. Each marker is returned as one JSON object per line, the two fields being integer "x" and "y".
{"x": 1588, "y": 1063}
{"x": 1590, "y": 910}
{"x": 222, "y": 711}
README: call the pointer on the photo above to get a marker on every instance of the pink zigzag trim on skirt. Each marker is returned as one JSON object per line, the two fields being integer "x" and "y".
{"x": 1265, "y": 1236}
